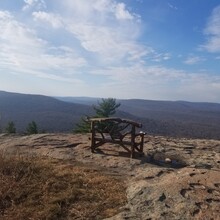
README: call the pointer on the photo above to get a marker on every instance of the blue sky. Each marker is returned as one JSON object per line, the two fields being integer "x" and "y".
{"x": 148, "y": 49}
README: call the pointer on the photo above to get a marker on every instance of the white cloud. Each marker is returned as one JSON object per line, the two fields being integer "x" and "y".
{"x": 37, "y": 4}
{"x": 5, "y": 15}
{"x": 172, "y": 6}
{"x": 158, "y": 57}
{"x": 104, "y": 28}
{"x": 109, "y": 44}
{"x": 16, "y": 34}
{"x": 212, "y": 31}
{"x": 193, "y": 60}
{"x": 23, "y": 52}
{"x": 158, "y": 82}
{"x": 102, "y": 7}
{"x": 121, "y": 13}
{"x": 53, "y": 19}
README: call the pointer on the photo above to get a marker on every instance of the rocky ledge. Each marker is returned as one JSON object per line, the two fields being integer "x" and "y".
{"x": 176, "y": 179}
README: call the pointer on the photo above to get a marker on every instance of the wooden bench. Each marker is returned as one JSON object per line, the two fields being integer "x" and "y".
{"x": 118, "y": 131}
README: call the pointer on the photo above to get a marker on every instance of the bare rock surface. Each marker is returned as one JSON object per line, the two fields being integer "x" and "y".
{"x": 176, "y": 179}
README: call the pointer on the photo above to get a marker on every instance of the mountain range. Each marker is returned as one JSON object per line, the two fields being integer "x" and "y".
{"x": 60, "y": 114}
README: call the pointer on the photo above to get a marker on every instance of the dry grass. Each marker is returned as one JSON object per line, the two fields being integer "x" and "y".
{"x": 42, "y": 188}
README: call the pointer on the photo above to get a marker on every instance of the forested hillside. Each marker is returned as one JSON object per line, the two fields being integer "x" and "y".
{"x": 50, "y": 114}
{"x": 179, "y": 119}
{"x": 186, "y": 119}
{"x": 171, "y": 118}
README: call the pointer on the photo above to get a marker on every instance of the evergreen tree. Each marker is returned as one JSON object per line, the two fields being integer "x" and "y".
{"x": 10, "y": 128}
{"x": 104, "y": 109}
{"x": 32, "y": 128}
{"x": 83, "y": 126}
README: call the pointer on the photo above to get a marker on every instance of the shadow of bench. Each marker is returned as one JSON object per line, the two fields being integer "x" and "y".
{"x": 118, "y": 131}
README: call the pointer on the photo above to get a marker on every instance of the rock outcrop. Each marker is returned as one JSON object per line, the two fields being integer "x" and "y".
{"x": 176, "y": 179}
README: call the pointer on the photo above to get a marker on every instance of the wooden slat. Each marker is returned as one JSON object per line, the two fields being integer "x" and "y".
{"x": 139, "y": 125}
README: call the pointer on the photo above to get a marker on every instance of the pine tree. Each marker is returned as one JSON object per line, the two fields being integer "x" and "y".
{"x": 104, "y": 109}
{"x": 32, "y": 128}
{"x": 83, "y": 126}
{"x": 10, "y": 128}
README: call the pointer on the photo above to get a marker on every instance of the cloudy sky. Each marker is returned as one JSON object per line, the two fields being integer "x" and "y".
{"x": 148, "y": 49}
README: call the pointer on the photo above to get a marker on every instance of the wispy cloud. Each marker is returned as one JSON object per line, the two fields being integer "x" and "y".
{"x": 106, "y": 29}
{"x": 191, "y": 60}
{"x": 158, "y": 82}
{"x": 22, "y": 51}
{"x": 107, "y": 35}
{"x": 37, "y": 4}
{"x": 172, "y": 6}
{"x": 121, "y": 13}
{"x": 53, "y": 19}
{"x": 158, "y": 57}
{"x": 212, "y": 32}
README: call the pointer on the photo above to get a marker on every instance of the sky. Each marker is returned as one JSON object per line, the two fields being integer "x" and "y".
{"x": 145, "y": 49}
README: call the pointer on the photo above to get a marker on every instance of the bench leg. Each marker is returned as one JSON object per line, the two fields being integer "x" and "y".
{"x": 132, "y": 151}
{"x": 93, "y": 137}
{"x": 132, "y": 141}
{"x": 142, "y": 143}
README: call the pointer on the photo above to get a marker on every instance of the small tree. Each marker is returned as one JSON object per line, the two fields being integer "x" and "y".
{"x": 83, "y": 126}
{"x": 105, "y": 108}
{"x": 10, "y": 128}
{"x": 32, "y": 128}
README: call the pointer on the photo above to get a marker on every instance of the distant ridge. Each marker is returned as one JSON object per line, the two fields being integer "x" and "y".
{"x": 60, "y": 114}
{"x": 49, "y": 113}
{"x": 171, "y": 118}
